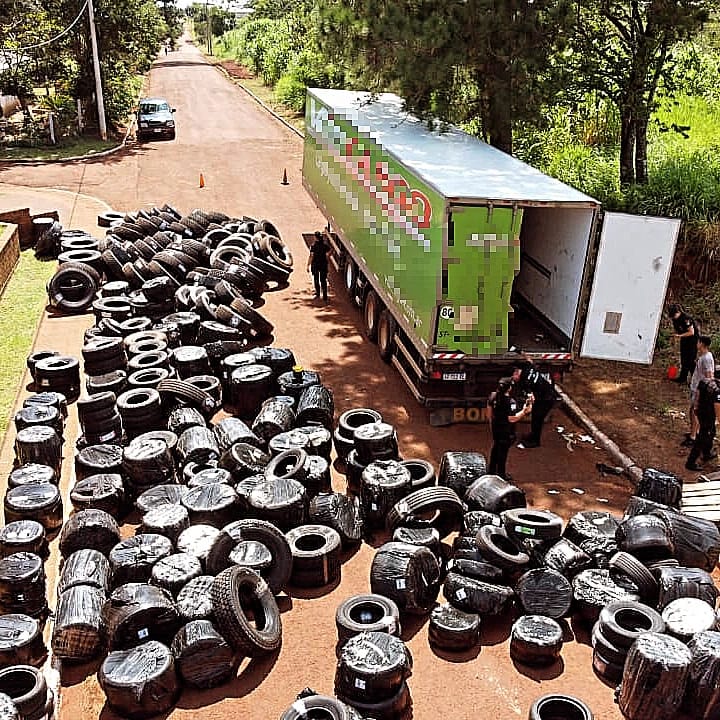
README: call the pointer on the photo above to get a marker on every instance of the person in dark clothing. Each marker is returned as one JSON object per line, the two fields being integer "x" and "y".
{"x": 318, "y": 264}
{"x": 529, "y": 380}
{"x": 686, "y": 331}
{"x": 505, "y": 414}
{"x": 707, "y": 409}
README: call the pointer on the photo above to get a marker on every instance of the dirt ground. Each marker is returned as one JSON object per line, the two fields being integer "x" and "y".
{"x": 242, "y": 153}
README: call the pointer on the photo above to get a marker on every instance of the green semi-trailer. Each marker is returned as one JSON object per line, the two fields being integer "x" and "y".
{"x": 462, "y": 257}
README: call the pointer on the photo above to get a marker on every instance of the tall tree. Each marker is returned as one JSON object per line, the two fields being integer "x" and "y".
{"x": 456, "y": 60}
{"x": 623, "y": 51}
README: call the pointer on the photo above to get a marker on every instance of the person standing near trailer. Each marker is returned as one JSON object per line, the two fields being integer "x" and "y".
{"x": 529, "y": 380}
{"x": 318, "y": 264}
{"x": 686, "y": 332}
{"x": 707, "y": 409}
{"x": 505, "y": 414}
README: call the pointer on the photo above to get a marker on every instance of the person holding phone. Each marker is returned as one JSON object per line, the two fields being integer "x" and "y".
{"x": 505, "y": 413}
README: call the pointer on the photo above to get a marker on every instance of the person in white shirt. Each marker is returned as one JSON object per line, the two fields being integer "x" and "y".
{"x": 704, "y": 368}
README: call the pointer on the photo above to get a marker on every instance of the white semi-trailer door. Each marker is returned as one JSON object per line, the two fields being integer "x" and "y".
{"x": 628, "y": 288}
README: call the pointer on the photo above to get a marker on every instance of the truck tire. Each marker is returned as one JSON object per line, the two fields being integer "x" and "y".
{"x": 371, "y": 313}
{"x": 350, "y": 276}
{"x": 559, "y": 706}
{"x": 386, "y": 329}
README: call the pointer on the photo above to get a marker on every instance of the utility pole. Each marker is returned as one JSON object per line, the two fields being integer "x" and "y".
{"x": 209, "y": 27}
{"x": 96, "y": 66}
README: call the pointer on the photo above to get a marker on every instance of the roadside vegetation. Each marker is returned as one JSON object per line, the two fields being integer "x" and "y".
{"x": 46, "y": 68}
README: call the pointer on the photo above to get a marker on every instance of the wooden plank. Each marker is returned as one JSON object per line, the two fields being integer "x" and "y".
{"x": 701, "y": 486}
{"x": 700, "y": 493}
{"x": 696, "y": 502}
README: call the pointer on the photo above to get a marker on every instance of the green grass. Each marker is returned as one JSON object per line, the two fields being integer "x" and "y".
{"x": 21, "y": 305}
{"x": 78, "y": 147}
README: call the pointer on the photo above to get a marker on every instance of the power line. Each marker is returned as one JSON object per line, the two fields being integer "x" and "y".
{"x": 52, "y": 39}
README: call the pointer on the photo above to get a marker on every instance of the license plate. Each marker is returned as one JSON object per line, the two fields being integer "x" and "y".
{"x": 157, "y": 130}
{"x": 453, "y": 376}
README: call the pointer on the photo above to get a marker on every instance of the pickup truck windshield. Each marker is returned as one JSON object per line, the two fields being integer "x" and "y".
{"x": 153, "y": 108}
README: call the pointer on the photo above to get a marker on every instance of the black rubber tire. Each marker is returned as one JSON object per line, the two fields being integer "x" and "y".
{"x": 289, "y": 464}
{"x": 318, "y": 706}
{"x": 73, "y": 287}
{"x": 227, "y": 591}
{"x": 396, "y": 707}
{"x": 26, "y": 687}
{"x": 278, "y": 574}
{"x": 422, "y": 473}
{"x": 316, "y": 555}
{"x": 608, "y": 672}
{"x": 105, "y": 219}
{"x": 374, "y": 613}
{"x": 624, "y": 621}
{"x": 497, "y": 548}
{"x": 185, "y": 391}
{"x": 386, "y": 330}
{"x": 525, "y": 523}
{"x": 372, "y": 307}
{"x": 605, "y": 648}
{"x": 638, "y": 573}
{"x": 444, "y": 501}
{"x": 555, "y": 706}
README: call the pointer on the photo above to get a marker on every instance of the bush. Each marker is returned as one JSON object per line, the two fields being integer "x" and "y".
{"x": 307, "y": 69}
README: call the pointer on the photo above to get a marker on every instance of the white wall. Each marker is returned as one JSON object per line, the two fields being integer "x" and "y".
{"x": 556, "y": 238}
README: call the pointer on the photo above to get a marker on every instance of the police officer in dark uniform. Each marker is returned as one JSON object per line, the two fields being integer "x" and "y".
{"x": 505, "y": 414}
{"x": 318, "y": 264}
{"x": 530, "y": 381}
{"x": 686, "y": 331}
{"x": 707, "y": 409}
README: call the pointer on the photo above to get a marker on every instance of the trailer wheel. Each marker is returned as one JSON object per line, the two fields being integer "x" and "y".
{"x": 371, "y": 312}
{"x": 350, "y": 277}
{"x": 386, "y": 329}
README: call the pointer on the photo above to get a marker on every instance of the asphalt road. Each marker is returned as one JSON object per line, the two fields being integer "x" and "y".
{"x": 242, "y": 152}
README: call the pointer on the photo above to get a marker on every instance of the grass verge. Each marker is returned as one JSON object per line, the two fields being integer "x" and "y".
{"x": 80, "y": 147}
{"x": 21, "y": 306}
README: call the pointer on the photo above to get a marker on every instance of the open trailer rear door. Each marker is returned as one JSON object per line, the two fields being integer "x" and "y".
{"x": 629, "y": 285}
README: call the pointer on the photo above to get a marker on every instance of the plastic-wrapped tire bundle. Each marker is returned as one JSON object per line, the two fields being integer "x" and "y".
{"x": 279, "y": 360}
{"x": 535, "y": 640}
{"x": 97, "y": 460}
{"x": 317, "y": 475}
{"x": 459, "y": 470}
{"x": 453, "y": 630}
{"x": 42, "y": 503}
{"x": 230, "y": 589}
{"x": 92, "y": 528}
{"x": 275, "y": 417}
{"x": 175, "y": 571}
{"x": 407, "y": 574}
{"x": 396, "y": 707}
{"x": 85, "y": 567}
{"x": 202, "y": 656}
{"x": 281, "y": 501}
{"x": 375, "y": 441}
{"x": 477, "y": 596}
{"x": 383, "y": 483}
{"x": 233, "y": 430}
{"x": 183, "y": 418}
{"x": 647, "y": 537}
{"x": 39, "y": 415}
{"x": 197, "y": 444}
{"x": 341, "y": 513}
{"x": 244, "y": 460}
{"x": 41, "y": 445}
{"x": 493, "y": 494}
{"x": 590, "y": 524}
{"x": 427, "y": 537}
{"x": 22, "y": 585}
{"x": 441, "y": 501}
{"x": 353, "y": 472}
{"x": 366, "y": 613}
{"x": 316, "y": 555}
{"x": 251, "y": 554}
{"x": 194, "y": 601}
{"x": 26, "y": 687}
{"x": 566, "y": 557}
{"x": 696, "y": 541}
{"x": 137, "y": 612}
{"x": 278, "y": 574}
{"x": 593, "y": 589}
{"x": 77, "y": 628}
{"x": 214, "y": 505}
{"x": 140, "y": 682}
{"x": 197, "y": 540}
{"x": 653, "y": 685}
{"x": 660, "y": 486}
{"x": 544, "y": 592}
{"x": 21, "y": 641}
{"x": 132, "y": 559}
{"x": 147, "y": 461}
{"x": 159, "y": 496}
{"x": 702, "y": 697}
{"x": 316, "y": 405}
{"x": 555, "y": 707}
{"x": 295, "y": 381}
{"x": 31, "y": 474}
{"x": 371, "y": 667}
{"x": 677, "y": 582}
{"x": 249, "y": 386}
{"x": 168, "y": 520}
{"x": 476, "y": 569}
{"x": 686, "y": 617}
{"x": 23, "y": 536}
{"x": 197, "y": 475}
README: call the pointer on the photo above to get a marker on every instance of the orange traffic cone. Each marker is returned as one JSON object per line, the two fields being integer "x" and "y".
{"x": 202, "y": 180}
{"x": 285, "y": 180}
